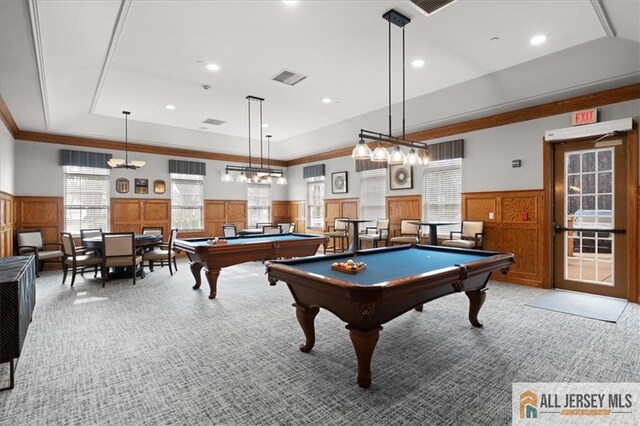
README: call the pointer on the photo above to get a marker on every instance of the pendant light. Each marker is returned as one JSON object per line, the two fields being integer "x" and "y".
{"x": 119, "y": 163}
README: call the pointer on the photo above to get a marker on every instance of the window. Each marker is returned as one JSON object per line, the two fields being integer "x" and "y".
{"x": 372, "y": 190}
{"x": 187, "y": 200}
{"x": 86, "y": 198}
{"x": 442, "y": 188}
{"x": 315, "y": 200}
{"x": 258, "y": 204}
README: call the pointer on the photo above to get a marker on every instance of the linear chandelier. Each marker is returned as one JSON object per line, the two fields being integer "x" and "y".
{"x": 119, "y": 163}
{"x": 381, "y": 154}
{"x": 251, "y": 173}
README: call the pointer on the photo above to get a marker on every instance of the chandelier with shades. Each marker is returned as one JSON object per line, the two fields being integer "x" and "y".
{"x": 259, "y": 173}
{"x": 119, "y": 163}
{"x": 380, "y": 154}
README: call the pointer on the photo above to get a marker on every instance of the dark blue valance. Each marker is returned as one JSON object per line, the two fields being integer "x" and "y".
{"x": 187, "y": 167}
{"x": 84, "y": 159}
{"x": 313, "y": 171}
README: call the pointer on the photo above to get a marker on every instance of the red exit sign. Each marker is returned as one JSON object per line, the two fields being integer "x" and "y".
{"x": 586, "y": 116}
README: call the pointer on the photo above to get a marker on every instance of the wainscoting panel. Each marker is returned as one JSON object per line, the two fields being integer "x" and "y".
{"x": 132, "y": 214}
{"x": 340, "y": 207}
{"x": 297, "y": 215}
{"x": 45, "y": 213}
{"x": 402, "y": 207}
{"x": 514, "y": 222}
{"x": 7, "y": 224}
{"x": 220, "y": 212}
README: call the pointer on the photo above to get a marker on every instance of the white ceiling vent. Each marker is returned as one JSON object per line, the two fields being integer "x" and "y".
{"x": 213, "y": 121}
{"x": 289, "y": 77}
{"x": 427, "y": 7}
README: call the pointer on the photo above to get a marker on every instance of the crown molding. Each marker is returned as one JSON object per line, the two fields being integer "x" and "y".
{"x": 7, "y": 119}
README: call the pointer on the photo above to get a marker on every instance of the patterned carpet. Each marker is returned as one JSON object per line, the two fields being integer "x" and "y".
{"x": 161, "y": 353}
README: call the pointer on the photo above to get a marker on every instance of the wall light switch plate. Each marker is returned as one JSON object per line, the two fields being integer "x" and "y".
{"x": 491, "y": 215}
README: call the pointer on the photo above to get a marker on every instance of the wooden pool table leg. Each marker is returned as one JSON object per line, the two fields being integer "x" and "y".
{"x": 195, "y": 270}
{"x": 476, "y": 299}
{"x": 419, "y": 307}
{"x": 212, "y": 279}
{"x": 364, "y": 342}
{"x": 306, "y": 317}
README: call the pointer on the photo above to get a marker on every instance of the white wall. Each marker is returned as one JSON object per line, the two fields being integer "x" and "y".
{"x": 488, "y": 153}
{"x": 7, "y": 145}
{"x": 38, "y": 173}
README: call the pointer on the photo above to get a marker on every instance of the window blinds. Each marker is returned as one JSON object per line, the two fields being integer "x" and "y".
{"x": 372, "y": 194}
{"x": 86, "y": 198}
{"x": 258, "y": 204}
{"x": 443, "y": 186}
{"x": 187, "y": 200}
{"x": 315, "y": 201}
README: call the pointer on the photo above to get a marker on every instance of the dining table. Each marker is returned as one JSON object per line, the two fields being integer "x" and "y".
{"x": 355, "y": 232}
{"x": 143, "y": 242}
{"x": 433, "y": 229}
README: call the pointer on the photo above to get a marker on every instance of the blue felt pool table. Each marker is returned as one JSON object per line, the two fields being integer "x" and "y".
{"x": 395, "y": 280}
{"x": 234, "y": 250}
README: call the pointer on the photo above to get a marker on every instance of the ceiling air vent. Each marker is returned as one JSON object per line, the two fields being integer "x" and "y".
{"x": 289, "y": 77}
{"x": 213, "y": 121}
{"x": 429, "y": 6}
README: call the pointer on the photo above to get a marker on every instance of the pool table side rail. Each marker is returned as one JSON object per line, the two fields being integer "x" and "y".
{"x": 188, "y": 246}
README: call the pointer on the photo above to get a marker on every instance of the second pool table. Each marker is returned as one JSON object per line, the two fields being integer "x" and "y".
{"x": 396, "y": 280}
{"x": 243, "y": 249}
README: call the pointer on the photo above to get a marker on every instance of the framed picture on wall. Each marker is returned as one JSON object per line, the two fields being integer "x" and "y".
{"x": 339, "y": 184}
{"x": 142, "y": 186}
{"x": 159, "y": 187}
{"x": 401, "y": 177}
{"x": 122, "y": 185}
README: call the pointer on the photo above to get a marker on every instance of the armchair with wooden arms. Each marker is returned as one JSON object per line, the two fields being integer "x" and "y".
{"x": 337, "y": 232}
{"x": 166, "y": 253}
{"x": 229, "y": 230}
{"x": 471, "y": 235}
{"x": 119, "y": 250}
{"x": 286, "y": 227}
{"x": 30, "y": 242}
{"x": 408, "y": 233}
{"x": 271, "y": 229}
{"x": 375, "y": 234}
{"x": 153, "y": 230}
{"x": 76, "y": 258}
{"x": 88, "y": 233}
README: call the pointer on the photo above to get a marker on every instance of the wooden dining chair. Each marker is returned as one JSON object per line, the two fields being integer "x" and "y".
{"x": 271, "y": 229}
{"x": 30, "y": 242}
{"x": 78, "y": 260}
{"x": 165, "y": 254}
{"x": 337, "y": 232}
{"x": 375, "y": 234}
{"x": 153, "y": 230}
{"x": 229, "y": 230}
{"x": 408, "y": 233}
{"x": 119, "y": 250}
{"x": 470, "y": 236}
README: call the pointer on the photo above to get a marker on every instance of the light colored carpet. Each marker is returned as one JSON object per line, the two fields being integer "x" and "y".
{"x": 161, "y": 353}
{"x": 581, "y": 304}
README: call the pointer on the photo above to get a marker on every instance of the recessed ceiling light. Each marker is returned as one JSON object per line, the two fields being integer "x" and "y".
{"x": 327, "y": 100}
{"x": 418, "y": 63}
{"x": 172, "y": 107}
{"x": 290, "y": 2}
{"x": 265, "y": 125}
{"x": 213, "y": 67}
{"x": 539, "y": 39}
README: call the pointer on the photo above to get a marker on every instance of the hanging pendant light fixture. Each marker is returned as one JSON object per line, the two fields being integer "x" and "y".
{"x": 119, "y": 163}
{"x": 259, "y": 173}
{"x": 381, "y": 154}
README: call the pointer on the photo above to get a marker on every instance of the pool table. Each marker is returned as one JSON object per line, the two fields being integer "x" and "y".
{"x": 243, "y": 249}
{"x": 395, "y": 280}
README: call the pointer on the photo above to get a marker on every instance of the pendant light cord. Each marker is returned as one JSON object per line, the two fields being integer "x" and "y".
{"x": 249, "y": 109}
{"x": 403, "y": 85}
{"x": 261, "y": 156}
{"x": 389, "y": 78}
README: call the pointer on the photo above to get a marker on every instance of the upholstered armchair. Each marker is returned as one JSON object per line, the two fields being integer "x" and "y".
{"x": 30, "y": 243}
{"x": 165, "y": 254}
{"x": 337, "y": 232}
{"x": 375, "y": 234}
{"x": 152, "y": 230}
{"x": 76, "y": 260}
{"x": 119, "y": 250}
{"x": 287, "y": 227}
{"x": 229, "y": 230}
{"x": 408, "y": 233}
{"x": 88, "y": 233}
{"x": 271, "y": 229}
{"x": 470, "y": 236}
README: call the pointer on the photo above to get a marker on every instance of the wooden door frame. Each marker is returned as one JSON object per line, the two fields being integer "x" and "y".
{"x": 631, "y": 139}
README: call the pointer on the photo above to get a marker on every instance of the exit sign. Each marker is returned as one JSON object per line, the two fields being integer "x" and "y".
{"x": 586, "y": 116}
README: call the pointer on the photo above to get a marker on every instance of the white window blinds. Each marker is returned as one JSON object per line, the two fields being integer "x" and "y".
{"x": 258, "y": 204}
{"x": 372, "y": 192}
{"x": 315, "y": 201}
{"x": 187, "y": 201}
{"x": 442, "y": 187}
{"x": 86, "y": 198}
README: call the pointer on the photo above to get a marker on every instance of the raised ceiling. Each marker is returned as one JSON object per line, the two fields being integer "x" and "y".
{"x": 94, "y": 59}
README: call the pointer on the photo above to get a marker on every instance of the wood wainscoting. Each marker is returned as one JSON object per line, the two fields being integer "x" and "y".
{"x": 340, "y": 207}
{"x": 132, "y": 214}
{"x": 220, "y": 212}
{"x": 290, "y": 211}
{"x": 402, "y": 207}
{"x": 7, "y": 223}
{"x": 45, "y": 213}
{"x": 515, "y": 222}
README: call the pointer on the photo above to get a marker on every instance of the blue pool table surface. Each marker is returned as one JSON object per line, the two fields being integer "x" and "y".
{"x": 389, "y": 265}
{"x": 251, "y": 239}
